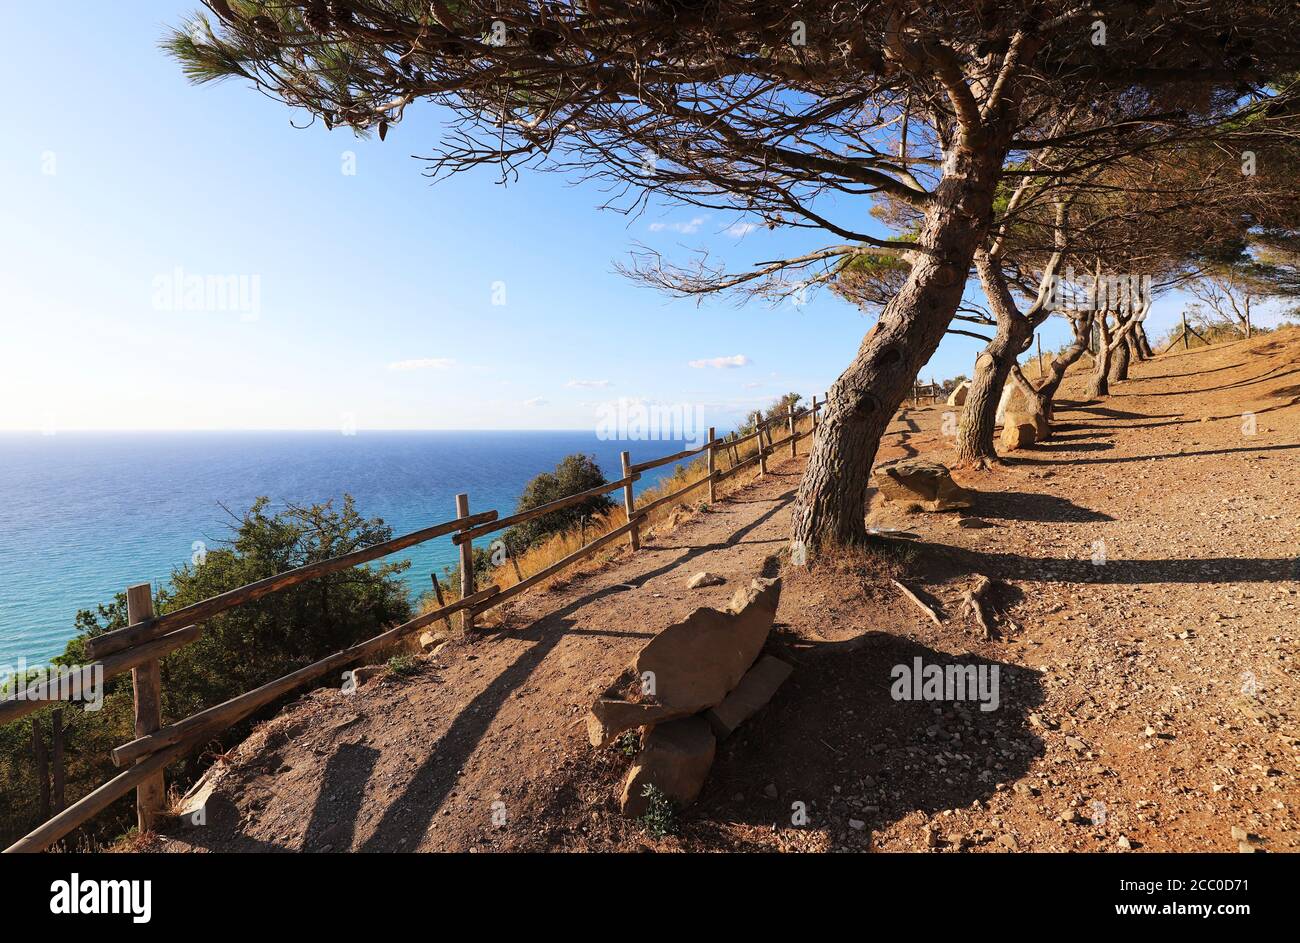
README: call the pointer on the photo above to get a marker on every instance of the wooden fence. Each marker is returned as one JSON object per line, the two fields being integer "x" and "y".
{"x": 931, "y": 392}
{"x": 140, "y": 645}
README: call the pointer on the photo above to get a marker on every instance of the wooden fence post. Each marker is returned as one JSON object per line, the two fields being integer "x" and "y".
{"x": 762, "y": 446}
{"x": 629, "y": 502}
{"x": 59, "y": 800}
{"x": 713, "y": 468}
{"x": 466, "y": 566}
{"x": 793, "y": 453}
{"x": 146, "y": 681}
{"x": 437, "y": 592}
{"x": 1185, "y": 344}
{"x": 814, "y": 413}
{"x": 42, "y": 767}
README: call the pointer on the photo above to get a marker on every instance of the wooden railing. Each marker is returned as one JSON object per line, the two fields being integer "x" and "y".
{"x": 139, "y": 646}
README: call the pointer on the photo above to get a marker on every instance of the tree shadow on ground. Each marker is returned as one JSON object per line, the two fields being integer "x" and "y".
{"x": 836, "y": 739}
{"x": 1053, "y": 445}
{"x": 1083, "y": 407}
{"x": 1270, "y": 374}
{"x": 342, "y": 794}
{"x": 1147, "y": 458}
{"x": 1121, "y": 571}
{"x": 1194, "y": 373}
{"x": 1032, "y": 506}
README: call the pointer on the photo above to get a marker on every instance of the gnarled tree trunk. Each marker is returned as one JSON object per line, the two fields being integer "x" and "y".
{"x": 1099, "y": 386}
{"x": 992, "y": 367}
{"x": 1119, "y": 358}
{"x": 1049, "y": 384}
{"x": 831, "y": 505}
{"x": 1143, "y": 342}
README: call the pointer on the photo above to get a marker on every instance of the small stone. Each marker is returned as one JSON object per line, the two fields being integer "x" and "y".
{"x": 1124, "y": 843}
{"x": 1009, "y": 841}
{"x": 705, "y": 578}
{"x": 1149, "y": 732}
{"x": 1246, "y": 848}
{"x": 366, "y": 672}
{"x": 1239, "y": 833}
{"x": 857, "y": 824}
{"x": 770, "y": 790}
{"x": 973, "y": 522}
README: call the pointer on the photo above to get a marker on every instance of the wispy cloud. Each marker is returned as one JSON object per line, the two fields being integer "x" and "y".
{"x": 741, "y": 229}
{"x": 721, "y": 363}
{"x": 686, "y": 229}
{"x": 424, "y": 363}
{"x": 535, "y": 402}
{"x": 587, "y": 384}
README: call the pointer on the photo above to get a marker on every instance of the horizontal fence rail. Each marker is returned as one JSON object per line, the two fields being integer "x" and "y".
{"x": 140, "y": 646}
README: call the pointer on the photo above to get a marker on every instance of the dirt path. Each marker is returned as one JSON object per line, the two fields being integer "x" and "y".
{"x": 1147, "y": 690}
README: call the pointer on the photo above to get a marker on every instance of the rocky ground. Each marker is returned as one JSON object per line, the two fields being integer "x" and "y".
{"x": 1145, "y": 600}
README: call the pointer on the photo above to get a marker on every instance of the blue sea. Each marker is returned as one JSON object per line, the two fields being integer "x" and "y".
{"x": 84, "y": 515}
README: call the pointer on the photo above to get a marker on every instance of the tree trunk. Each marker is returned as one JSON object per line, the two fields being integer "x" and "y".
{"x": 979, "y": 415}
{"x": 1144, "y": 342}
{"x": 831, "y": 505}
{"x": 1119, "y": 359}
{"x": 1062, "y": 362}
{"x": 1100, "y": 386}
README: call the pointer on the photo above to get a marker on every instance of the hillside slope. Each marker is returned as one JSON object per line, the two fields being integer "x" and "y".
{"x": 1148, "y": 605}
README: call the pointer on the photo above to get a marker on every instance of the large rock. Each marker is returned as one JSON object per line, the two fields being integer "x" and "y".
{"x": 692, "y": 664}
{"x": 917, "y": 483}
{"x": 1042, "y": 428}
{"x": 1013, "y": 400}
{"x": 749, "y": 697}
{"x": 610, "y": 717}
{"x": 695, "y": 663}
{"x": 1018, "y": 431}
{"x": 676, "y": 758}
{"x": 958, "y": 395}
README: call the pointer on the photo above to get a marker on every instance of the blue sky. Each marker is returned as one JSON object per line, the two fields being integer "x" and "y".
{"x": 118, "y": 174}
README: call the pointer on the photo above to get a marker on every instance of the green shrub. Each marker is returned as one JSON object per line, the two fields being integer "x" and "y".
{"x": 660, "y": 817}
{"x": 575, "y": 474}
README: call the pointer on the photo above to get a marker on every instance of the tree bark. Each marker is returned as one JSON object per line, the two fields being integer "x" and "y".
{"x": 1100, "y": 385}
{"x": 1119, "y": 357}
{"x": 831, "y": 505}
{"x": 992, "y": 368}
{"x": 1047, "y": 387}
{"x": 1144, "y": 342}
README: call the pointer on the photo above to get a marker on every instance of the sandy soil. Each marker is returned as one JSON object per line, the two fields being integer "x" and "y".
{"x": 1147, "y": 605}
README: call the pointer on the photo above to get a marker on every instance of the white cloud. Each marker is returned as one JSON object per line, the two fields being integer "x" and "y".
{"x": 424, "y": 363}
{"x": 535, "y": 402}
{"x": 685, "y": 229}
{"x": 587, "y": 384}
{"x": 721, "y": 363}
{"x": 741, "y": 229}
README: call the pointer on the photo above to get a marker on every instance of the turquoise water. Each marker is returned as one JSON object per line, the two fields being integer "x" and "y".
{"x": 84, "y": 515}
